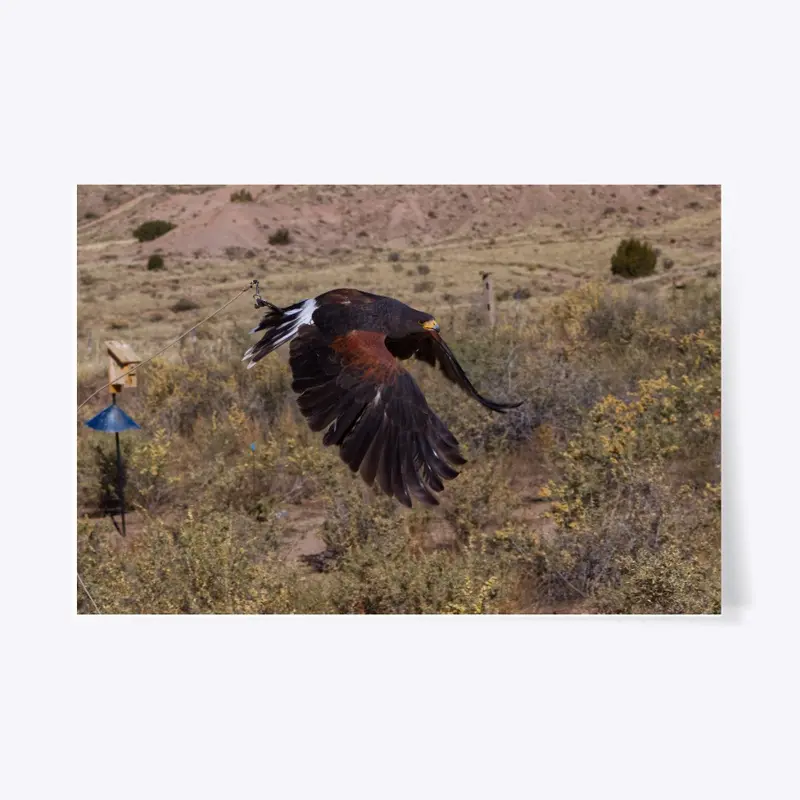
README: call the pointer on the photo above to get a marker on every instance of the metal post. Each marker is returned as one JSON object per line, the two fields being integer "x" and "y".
{"x": 120, "y": 485}
{"x": 488, "y": 299}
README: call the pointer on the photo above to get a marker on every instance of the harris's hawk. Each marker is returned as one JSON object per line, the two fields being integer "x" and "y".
{"x": 344, "y": 351}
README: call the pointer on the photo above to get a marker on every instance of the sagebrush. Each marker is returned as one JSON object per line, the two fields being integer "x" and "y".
{"x": 152, "y": 229}
{"x": 634, "y": 259}
{"x": 600, "y": 494}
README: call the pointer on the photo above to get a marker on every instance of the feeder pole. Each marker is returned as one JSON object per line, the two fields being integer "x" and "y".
{"x": 120, "y": 487}
{"x": 112, "y": 419}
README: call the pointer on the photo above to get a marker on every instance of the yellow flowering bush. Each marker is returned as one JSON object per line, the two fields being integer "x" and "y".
{"x": 601, "y": 493}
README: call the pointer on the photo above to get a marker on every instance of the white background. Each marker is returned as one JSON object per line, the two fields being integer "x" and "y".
{"x": 612, "y": 92}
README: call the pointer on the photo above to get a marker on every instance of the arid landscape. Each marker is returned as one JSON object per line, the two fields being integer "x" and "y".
{"x": 600, "y": 494}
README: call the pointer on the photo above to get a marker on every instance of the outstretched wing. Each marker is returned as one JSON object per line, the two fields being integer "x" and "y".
{"x": 374, "y": 412}
{"x": 432, "y": 349}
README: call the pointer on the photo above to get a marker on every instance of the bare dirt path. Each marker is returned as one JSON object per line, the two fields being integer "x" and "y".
{"x": 90, "y": 246}
{"x": 121, "y": 209}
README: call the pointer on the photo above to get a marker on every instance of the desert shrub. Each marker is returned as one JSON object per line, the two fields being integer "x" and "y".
{"x": 204, "y": 564}
{"x": 665, "y": 419}
{"x": 674, "y": 579}
{"x": 620, "y": 424}
{"x": 280, "y": 237}
{"x": 557, "y": 393}
{"x": 623, "y": 335}
{"x": 88, "y": 477}
{"x": 616, "y": 317}
{"x": 239, "y": 479}
{"x": 380, "y": 564}
{"x": 99, "y": 473}
{"x": 355, "y": 516}
{"x": 479, "y": 498}
{"x": 423, "y": 286}
{"x": 242, "y": 196}
{"x": 90, "y": 215}
{"x": 582, "y": 554}
{"x": 152, "y": 229}
{"x": 654, "y": 549}
{"x": 176, "y": 395}
{"x": 146, "y": 477}
{"x": 633, "y": 259}
{"x": 423, "y": 269}
{"x": 148, "y": 466}
{"x": 266, "y": 391}
{"x": 101, "y": 569}
{"x": 394, "y": 257}
{"x": 155, "y": 262}
{"x": 184, "y": 304}
{"x": 402, "y": 580}
{"x": 617, "y": 500}
{"x": 233, "y": 253}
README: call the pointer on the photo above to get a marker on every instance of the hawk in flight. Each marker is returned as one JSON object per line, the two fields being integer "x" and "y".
{"x": 345, "y": 353}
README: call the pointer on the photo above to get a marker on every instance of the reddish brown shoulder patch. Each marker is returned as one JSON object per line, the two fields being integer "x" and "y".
{"x": 366, "y": 351}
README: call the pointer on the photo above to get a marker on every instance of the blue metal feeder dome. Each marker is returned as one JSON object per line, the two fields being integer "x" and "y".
{"x": 112, "y": 419}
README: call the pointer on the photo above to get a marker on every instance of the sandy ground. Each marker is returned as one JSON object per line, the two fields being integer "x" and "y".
{"x": 543, "y": 239}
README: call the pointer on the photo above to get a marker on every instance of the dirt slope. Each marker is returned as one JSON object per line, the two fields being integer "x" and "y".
{"x": 537, "y": 241}
{"x": 351, "y": 218}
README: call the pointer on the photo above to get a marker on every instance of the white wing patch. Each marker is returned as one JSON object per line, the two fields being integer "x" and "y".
{"x": 285, "y": 331}
{"x": 306, "y": 313}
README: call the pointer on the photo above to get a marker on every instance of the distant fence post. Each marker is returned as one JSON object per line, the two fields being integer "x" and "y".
{"x": 488, "y": 299}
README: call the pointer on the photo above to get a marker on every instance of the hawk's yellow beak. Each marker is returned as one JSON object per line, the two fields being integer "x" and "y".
{"x": 431, "y": 325}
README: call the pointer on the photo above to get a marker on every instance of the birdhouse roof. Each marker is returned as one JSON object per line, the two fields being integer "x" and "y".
{"x": 122, "y": 353}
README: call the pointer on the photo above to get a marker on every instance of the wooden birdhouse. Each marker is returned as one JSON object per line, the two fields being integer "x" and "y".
{"x": 121, "y": 358}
